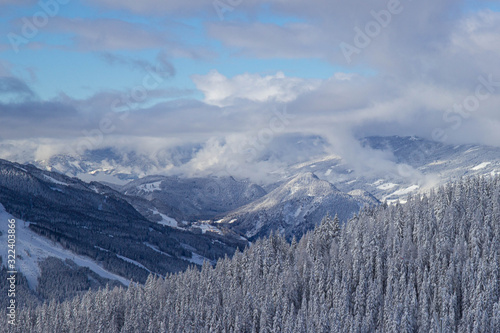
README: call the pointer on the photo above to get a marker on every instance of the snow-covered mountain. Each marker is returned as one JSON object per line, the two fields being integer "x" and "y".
{"x": 93, "y": 226}
{"x": 413, "y": 164}
{"x": 404, "y": 165}
{"x": 192, "y": 199}
{"x": 416, "y": 165}
{"x": 114, "y": 165}
{"x": 165, "y": 223}
{"x": 295, "y": 207}
{"x": 31, "y": 249}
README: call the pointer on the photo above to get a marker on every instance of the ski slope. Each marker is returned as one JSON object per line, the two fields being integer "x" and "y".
{"x": 32, "y": 248}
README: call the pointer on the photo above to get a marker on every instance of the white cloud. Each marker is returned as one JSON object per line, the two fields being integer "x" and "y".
{"x": 479, "y": 33}
{"x": 220, "y": 90}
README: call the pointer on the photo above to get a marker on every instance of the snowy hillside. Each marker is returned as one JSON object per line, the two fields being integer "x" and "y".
{"x": 192, "y": 199}
{"x": 93, "y": 224}
{"x": 418, "y": 165}
{"x": 293, "y": 208}
{"x": 32, "y": 248}
{"x": 412, "y": 164}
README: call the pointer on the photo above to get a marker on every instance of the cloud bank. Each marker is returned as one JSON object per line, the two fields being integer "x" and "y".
{"x": 428, "y": 68}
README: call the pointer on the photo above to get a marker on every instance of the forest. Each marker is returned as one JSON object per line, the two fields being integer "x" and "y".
{"x": 429, "y": 265}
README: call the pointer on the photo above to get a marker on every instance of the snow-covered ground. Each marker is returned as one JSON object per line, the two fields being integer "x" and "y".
{"x": 198, "y": 259}
{"x": 32, "y": 248}
{"x": 405, "y": 191}
{"x": 387, "y": 186}
{"x": 167, "y": 220}
{"x": 133, "y": 262}
{"x": 481, "y": 166}
{"x": 55, "y": 181}
{"x": 150, "y": 187}
{"x": 205, "y": 226}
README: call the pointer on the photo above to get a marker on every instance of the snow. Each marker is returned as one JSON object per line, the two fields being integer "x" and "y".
{"x": 33, "y": 248}
{"x": 155, "y": 248}
{"x": 93, "y": 188}
{"x": 55, "y": 181}
{"x": 328, "y": 172}
{"x": 481, "y": 166}
{"x": 133, "y": 262}
{"x": 471, "y": 150}
{"x": 326, "y": 158}
{"x": 150, "y": 187}
{"x": 207, "y": 227}
{"x": 168, "y": 221}
{"x": 18, "y": 167}
{"x": 406, "y": 190}
{"x": 387, "y": 186}
{"x": 299, "y": 210}
{"x": 436, "y": 163}
{"x": 197, "y": 259}
{"x": 102, "y": 177}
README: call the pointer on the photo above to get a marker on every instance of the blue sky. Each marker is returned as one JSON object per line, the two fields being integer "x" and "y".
{"x": 50, "y": 58}
{"x": 60, "y": 67}
{"x": 218, "y": 78}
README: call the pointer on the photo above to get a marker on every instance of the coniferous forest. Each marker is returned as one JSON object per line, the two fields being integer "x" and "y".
{"x": 429, "y": 265}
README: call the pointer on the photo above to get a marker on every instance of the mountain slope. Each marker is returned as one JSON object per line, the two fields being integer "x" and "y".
{"x": 192, "y": 199}
{"x": 411, "y": 165}
{"x": 432, "y": 265}
{"x": 94, "y": 221}
{"x": 402, "y": 165}
{"x": 293, "y": 208}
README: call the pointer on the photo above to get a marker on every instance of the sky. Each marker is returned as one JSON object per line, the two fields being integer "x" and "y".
{"x": 228, "y": 76}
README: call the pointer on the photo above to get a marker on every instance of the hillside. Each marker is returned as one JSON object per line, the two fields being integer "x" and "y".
{"x": 431, "y": 265}
{"x": 293, "y": 208}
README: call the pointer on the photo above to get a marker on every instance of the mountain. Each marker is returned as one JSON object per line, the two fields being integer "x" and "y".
{"x": 406, "y": 164}
{"x": 121, "y": 165}
{"x": 432, "y": 265}
{"x": 114, "y": 165}
{"x": 192, "y": 199}
{"x": 294, "y": 207}
{"x": 93, "y": 226}
{"x": 411, "y": 165}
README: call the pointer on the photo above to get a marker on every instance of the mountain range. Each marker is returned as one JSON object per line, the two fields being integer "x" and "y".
{"x": 125, "y": 228}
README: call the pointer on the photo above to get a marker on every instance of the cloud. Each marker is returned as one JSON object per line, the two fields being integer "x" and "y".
{"x": 108, "y": 34}
{"x": 400, "y": 45}
{"x": 155, "y": 7}
{"x": 222, "y": 91}
{"x": 163, "y": 67}
{"x": 15, "y": 88}
{"x": 25, "y": 116}
{"x": 267, "y": 40}
{"x": 14, "y": 85}
{"x": 428, "y": 58}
